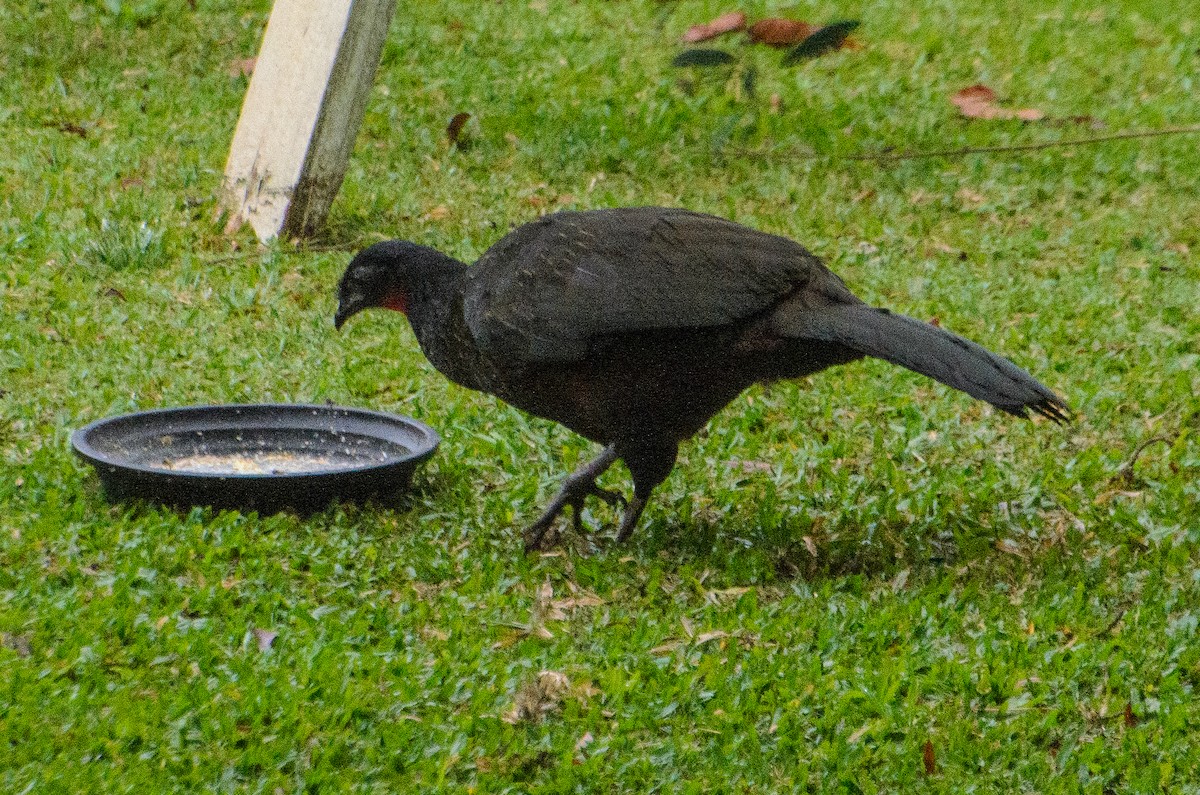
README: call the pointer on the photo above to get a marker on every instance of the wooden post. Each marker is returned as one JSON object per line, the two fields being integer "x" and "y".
{"x": 302, "y": 112}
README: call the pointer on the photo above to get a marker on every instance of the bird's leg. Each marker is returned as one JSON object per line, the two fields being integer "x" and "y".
{"x": 577, "y": 487}
{"x": 633, "y": 512}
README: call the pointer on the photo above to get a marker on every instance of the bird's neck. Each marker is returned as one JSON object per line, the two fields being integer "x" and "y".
{"x": 435, "y": 311}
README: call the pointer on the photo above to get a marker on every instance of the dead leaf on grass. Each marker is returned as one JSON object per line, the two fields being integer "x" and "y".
{"x": 928, "y": 758}
{"x": 776, "y": 32}
{"x": 439, "y": 213}
{"x": 455, "y": 127}
{"x": 541, "y": 696}
{"x": 979, "y": 102}
{"x": 241, "y": 67}
{"x": 726, "y": 23}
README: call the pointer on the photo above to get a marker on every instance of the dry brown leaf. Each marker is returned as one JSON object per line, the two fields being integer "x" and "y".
{"x": 666, "y": 648}
{"x": 241, "y": 67}
{"x": 928, "y": 758}
{"x": 776, "y": 32}
{"x": 726, "y": 23}
{"x": 537, "y": 698}
{"x": 439, "y": 213}
{"x": 705, "y": 637}
{"x": 455, "y": 127}
{"x": 979, "y": 102}
{"x": 810, "y": 545}
{"x": 977, "y": 93}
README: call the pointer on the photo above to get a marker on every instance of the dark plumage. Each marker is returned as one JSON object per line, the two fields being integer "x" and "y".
{"x": 634, "y": 326}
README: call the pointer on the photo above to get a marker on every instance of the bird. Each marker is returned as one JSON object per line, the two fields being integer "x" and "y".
{"x": 634, "y": 326}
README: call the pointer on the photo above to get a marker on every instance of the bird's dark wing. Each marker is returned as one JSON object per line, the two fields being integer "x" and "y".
{"x": 553, "y": 287}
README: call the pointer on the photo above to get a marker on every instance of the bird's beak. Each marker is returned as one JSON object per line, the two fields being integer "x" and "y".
{"x": 347, "y": 308}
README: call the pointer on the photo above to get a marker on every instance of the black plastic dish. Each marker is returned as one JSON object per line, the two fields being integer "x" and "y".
{"x": 265, "y": 457}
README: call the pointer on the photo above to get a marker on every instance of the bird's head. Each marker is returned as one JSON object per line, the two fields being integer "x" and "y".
{"x": 386, "y": 275}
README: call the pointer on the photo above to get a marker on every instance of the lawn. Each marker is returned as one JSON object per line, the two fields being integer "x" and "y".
{"x": 862, "y": 582}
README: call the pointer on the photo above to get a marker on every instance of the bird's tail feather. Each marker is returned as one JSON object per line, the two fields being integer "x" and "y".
{"x": 929, "y": 350}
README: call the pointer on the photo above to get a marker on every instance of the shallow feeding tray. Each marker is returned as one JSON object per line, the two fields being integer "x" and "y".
{"x": 263, "y": 457}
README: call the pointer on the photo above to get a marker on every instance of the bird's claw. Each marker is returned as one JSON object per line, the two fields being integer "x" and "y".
{"x": 541, "y": 534}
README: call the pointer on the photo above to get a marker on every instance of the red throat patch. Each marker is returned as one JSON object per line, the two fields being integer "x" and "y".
{"x": 397, "y": 301}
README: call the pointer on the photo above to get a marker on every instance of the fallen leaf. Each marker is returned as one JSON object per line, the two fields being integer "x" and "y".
{"x": 826, "y": 39}
{"x": 542, "y": 695}
{"x": 776, "y": 32}
{"x": 726, "y": 23}
{"x": 584, "y": 741}
{"x": 705, "y": 637}
{"x": 265, "y": 638}
{"x": 976, "y": 94}
{"x": 978, "y": 102}
{"x": 241, "y": 67}
{"x": 810, "y": 545}
{"x": 113, "y": 292}
{"x": 454, "y": 128}
{"x": 665, "y": 648}
{"x": 929, "y": 759}
{"x": 702, "y": 58}
{"x": 439, "y": 213}
{"x": 1130, "y": 719}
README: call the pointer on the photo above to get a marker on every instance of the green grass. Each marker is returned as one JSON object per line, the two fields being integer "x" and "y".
{"x": 837, "y": 573}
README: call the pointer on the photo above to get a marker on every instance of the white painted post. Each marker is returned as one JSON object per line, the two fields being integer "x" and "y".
{"x": 302, "y": 112}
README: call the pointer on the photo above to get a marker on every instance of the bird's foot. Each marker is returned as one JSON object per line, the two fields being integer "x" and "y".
{"x": 541, "y": 534}
{"x": 574, "y": 492}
